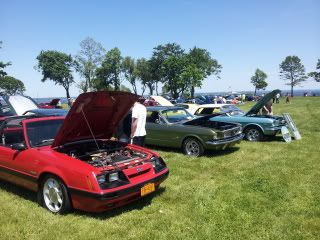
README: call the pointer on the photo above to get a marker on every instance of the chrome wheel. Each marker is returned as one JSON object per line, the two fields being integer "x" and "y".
{"x": 193, "y": 147}
{"x": 253, "y": 134}
{"x": 53, "y": 195}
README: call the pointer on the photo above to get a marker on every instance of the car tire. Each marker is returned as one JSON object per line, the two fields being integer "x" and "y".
{"x": 253, "y": 134}
{"x": 192, "y": 147}
{"x": 53, "y": 195}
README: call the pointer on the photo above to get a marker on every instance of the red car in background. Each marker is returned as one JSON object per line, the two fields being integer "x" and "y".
{"x": 54, "y": 103}
{"x": 71, "y": 161}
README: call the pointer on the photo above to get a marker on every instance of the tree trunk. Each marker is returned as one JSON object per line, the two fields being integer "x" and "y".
{"x": 134, "y": 87}
{"x": 291, "y": 84}
{"x": 150, "y": 89}
{"x": 143, "y": 89}
{"x": 192, "y": 91}
{"x": 157, "y": 88}
{"x": 68, "y": 96}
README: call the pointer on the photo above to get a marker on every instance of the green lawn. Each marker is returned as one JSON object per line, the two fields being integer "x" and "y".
{"x": 265, "y": 190}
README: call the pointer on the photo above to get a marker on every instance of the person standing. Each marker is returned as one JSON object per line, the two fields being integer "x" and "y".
{"x": 277, "y": 97}
{"x": 267, "y": 109}
{"x": 287, "y": 98}
{"x": 138, "y": 124}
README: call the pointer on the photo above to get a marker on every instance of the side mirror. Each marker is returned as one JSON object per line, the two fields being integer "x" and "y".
{"x": 18, "y": 146}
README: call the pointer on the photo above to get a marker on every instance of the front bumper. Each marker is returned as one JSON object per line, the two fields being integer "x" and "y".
{"x": 271, "y": 131}
{"x": 224, "y": 143}
{"x": 98, "y": 202}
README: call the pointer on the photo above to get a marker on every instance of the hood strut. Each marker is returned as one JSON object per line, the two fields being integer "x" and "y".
{"x": 95, "y": 140}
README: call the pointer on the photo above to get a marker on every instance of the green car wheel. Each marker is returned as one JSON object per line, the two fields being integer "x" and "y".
{"x": 192, "y": 147}
{"x": 253, "y": 134}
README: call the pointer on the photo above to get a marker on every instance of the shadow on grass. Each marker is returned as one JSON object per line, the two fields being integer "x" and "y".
{"x": 135, "y": 205}
{"x": 19, "y": 191}
{"x": 273, "y": 139}
{"x": 207, "y": 153}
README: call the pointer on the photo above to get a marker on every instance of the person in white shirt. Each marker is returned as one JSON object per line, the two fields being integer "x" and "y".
{"x": 138, "y": 125}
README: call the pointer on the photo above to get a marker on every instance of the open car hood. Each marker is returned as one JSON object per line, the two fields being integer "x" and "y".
{"x": 20, "y": 104}
{"x": 94, "y": 114}
{"x": 263, "y": 101}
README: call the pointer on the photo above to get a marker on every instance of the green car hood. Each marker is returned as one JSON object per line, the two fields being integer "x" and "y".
{"x": 263, "y": 101}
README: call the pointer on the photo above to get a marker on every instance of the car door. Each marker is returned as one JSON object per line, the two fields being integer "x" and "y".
{"x": 16, "y": 165}
{"x": 159, "y": 132}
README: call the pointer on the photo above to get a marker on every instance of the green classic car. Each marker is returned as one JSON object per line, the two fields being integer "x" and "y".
{"x": 177, "y": 128}
{"x": 255, "y": 124}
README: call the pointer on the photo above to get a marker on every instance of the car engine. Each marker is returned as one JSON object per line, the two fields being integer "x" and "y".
{"x": 108, "y": 158}
{"x": 102, "y": 153}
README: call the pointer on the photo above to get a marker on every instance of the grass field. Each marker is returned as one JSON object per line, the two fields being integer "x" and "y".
{"x": 265, "y": 190}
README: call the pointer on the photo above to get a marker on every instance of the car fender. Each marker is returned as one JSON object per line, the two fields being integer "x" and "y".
{"x": 53, "y": 171}
{"x": 252, "y": 124}
{"x": 192, "y": 136}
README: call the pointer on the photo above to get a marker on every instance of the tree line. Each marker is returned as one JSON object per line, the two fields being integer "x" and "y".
{"x": 291, "y": 70}
{"x": 179, "y": 71}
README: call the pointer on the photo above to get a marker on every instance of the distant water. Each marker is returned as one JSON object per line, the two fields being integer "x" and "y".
{"x": 63, "y": 100}
{"x": 298, "y": 92}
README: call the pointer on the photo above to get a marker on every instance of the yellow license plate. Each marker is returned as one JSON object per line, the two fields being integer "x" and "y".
{"x": 148, "y": 188}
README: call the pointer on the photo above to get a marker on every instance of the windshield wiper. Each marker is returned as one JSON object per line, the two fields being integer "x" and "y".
{"x": 44, "y": 142}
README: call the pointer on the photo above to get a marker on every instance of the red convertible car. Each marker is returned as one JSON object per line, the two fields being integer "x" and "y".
{"x": 71, "y": 161}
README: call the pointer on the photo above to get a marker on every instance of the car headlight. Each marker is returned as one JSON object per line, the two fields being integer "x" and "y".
{"x": 158, "y": 164}
{"x": 112, "y": 179}
{"x": 101, "y": 179}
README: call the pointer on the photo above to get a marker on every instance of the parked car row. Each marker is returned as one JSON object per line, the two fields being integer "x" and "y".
{"x": 69, "y": 159}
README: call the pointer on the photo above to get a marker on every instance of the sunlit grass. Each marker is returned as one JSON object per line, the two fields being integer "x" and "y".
{"x": 265, "y": 190}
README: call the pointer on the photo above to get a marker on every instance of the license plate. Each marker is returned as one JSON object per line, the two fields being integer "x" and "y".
{"x": 148, "y": 188}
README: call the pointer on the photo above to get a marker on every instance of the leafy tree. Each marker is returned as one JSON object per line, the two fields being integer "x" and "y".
{"x": 258, "y": 80}
{"x": 108, "y": 75}
{"x": 88, "y": 59}
{"x": 143, "y": 71}
{"x": 3, "y": 65}
{"x": 291, "y": 69}
{"x": 315, "y": 74}
{"x": 56, "y": 66}
{"x": 167, "y": 63}
{"x": 130, "y": 72}
{"x": 199, "y": 65}
{"x": 11, "y": 86}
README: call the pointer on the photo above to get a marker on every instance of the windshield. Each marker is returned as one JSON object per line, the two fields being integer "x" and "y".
{"x": 176, "y": 115}
{"x": 232, "y": 109}
{"x": 42, "y": 133}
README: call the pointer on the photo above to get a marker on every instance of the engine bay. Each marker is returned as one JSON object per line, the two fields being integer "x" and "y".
{"x": 102, "y": 153}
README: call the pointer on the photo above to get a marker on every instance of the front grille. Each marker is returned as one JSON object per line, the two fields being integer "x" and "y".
{"x": 138, "y": 173}
{"x": 232, "y": 132}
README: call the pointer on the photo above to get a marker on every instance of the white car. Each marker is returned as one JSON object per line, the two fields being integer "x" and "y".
{"x": 207, "y": 109}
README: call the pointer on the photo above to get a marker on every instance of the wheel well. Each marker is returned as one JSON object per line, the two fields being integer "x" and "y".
{"x": 253, "y": 126}
{"x": 194, "y": 137}
{"x": 44, "y": 174}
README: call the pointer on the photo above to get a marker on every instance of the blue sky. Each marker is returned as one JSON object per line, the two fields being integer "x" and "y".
{"x": 241, "y": 35}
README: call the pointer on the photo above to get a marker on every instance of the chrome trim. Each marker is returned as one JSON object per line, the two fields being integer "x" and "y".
{"x": 226, "y": 141}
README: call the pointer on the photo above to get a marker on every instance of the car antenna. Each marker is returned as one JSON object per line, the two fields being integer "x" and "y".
{"x": 85, "y": 118}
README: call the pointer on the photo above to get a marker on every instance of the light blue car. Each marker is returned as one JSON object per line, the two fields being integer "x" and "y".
{"x": 255, "y": 125}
